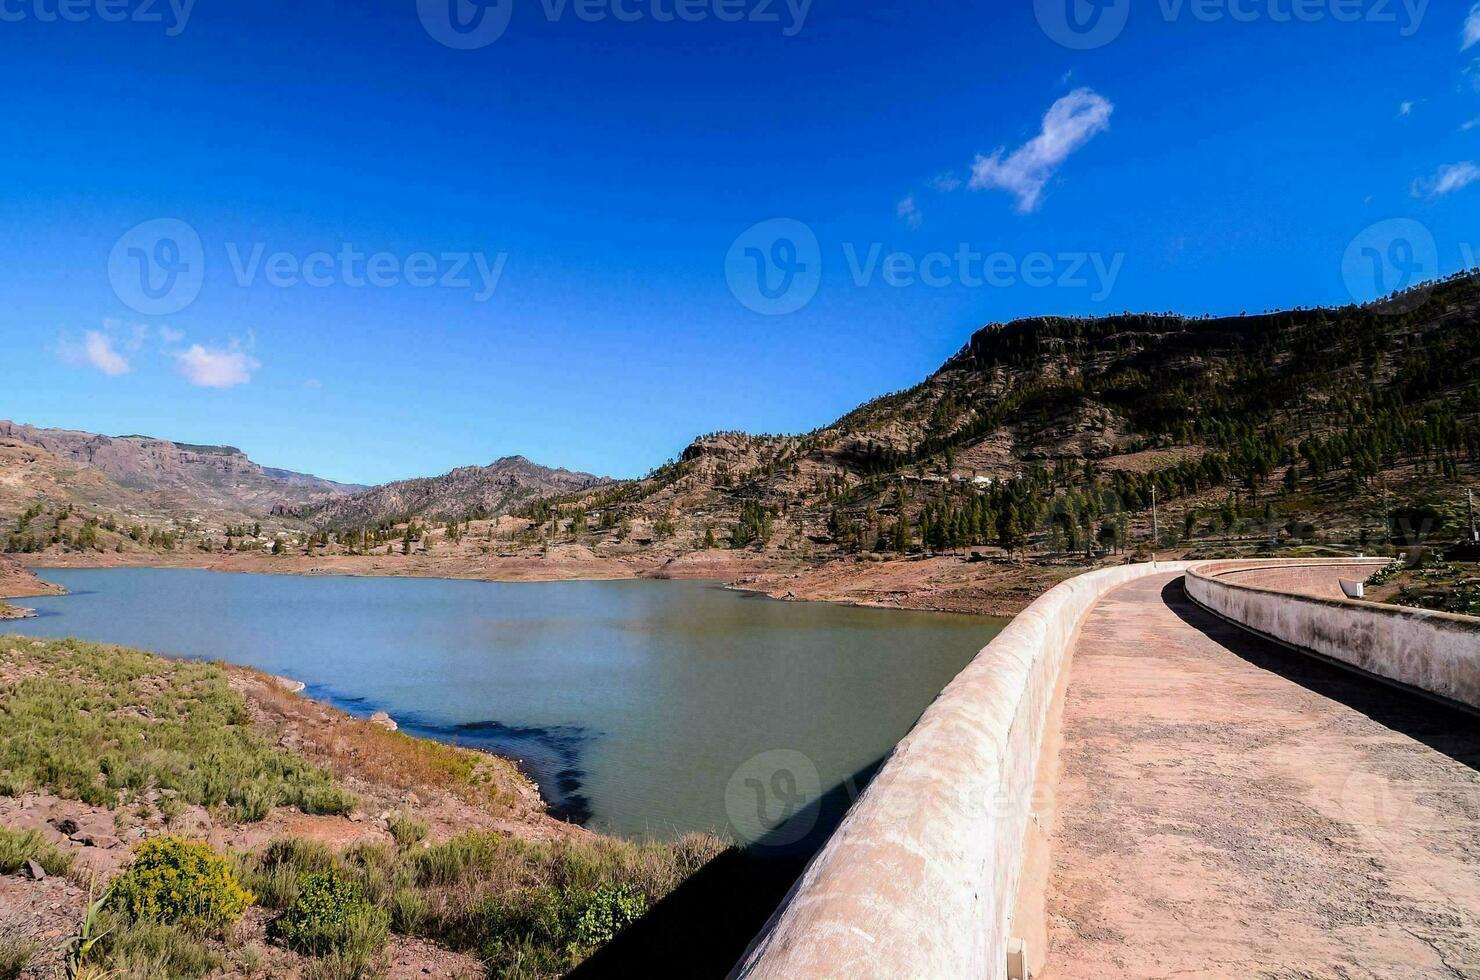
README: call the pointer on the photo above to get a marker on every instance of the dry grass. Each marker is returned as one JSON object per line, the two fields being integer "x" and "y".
{"x": 526, "y": 908}
{"x": 391, "y": 759}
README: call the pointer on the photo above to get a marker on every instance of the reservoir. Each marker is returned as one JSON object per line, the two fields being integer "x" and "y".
{"x": 640, "y": 707}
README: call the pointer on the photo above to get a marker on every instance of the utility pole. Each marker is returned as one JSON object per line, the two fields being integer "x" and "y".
{"x": 1155, "y": 524}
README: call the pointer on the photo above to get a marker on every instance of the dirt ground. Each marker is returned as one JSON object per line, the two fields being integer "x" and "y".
{"x": 998, "y": 586}
{"x": 16, "y": 581}
{"x": 1230, "y": 809}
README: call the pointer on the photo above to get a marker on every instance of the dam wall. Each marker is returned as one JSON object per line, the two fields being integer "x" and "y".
{"x": 1301, "y": 605}
{"x": 921, "y": 878}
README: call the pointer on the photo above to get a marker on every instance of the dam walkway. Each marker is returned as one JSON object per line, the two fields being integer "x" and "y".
{"x": 1228, "y": 808}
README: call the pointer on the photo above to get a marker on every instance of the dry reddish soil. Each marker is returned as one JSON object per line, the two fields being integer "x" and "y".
{"x": 995, "y": 587}
{"x": 998, "y": 586}
{"x": 564, "y": 563}
{"x": 1227, "y": 808}
{"x": 16, "y": 581}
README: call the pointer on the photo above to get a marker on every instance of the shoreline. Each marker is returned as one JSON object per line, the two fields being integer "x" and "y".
{"x": 997, "y": 587}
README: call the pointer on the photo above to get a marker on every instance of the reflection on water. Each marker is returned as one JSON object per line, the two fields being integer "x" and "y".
{"x": 640, "y": 707}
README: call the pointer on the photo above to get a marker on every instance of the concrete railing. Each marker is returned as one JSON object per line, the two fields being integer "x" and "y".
{"x": 921, "y": 878}
{"x": 1300, "y": 604}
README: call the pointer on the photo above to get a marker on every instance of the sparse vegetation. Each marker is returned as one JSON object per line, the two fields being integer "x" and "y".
{"x": 108, "y": 726}
{"x": 406, "y": 830}
{"x": 19, "y": 846}
{"x": 519, "y": 905}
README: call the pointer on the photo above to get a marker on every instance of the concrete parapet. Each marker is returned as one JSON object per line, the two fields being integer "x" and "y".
{"x": 921, "y": 878}
{"x": 1301, "y": 604}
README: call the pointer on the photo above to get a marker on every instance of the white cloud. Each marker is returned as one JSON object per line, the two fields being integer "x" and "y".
{"x": 1472, "y": 29}
{"x": 170, "y": 335}
{"x": 1449, "y": 178}
{"x": 1470, "y": 125}
{"x": 946, "y": 182}
{"x": 1405, "y": 108}
{"x": 910, "y": 213}
{"x": 209, "y": 368}
{"x": 1070, "y": 123}
{"x": 96, "y": 350}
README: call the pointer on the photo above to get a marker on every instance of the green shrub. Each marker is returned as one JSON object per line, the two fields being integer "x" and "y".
{"x": 409, "y": 911}
{"x": 332, "y": 916}
{"x": 176, "y": 881}
{"x": 299, "y": 853}
{"x": 406, "y": 830}
{"x": 609, "y": 910}
{"x": 331, "y": 801}
{"x": 145, "y": 950}
{"x": 253, "y": 804}
{"x": 19, "y": 846}
{"x": 273, "y": 875}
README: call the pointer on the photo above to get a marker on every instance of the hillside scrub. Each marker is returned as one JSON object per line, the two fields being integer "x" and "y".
{"x": 524, "y": 908}
{"x": 110, "y": 726}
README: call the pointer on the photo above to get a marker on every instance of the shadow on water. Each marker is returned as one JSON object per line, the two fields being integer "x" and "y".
{"x": 551, "y": 755}
{"x": 1442, "y": 728}
{"x": 705, "y": 925}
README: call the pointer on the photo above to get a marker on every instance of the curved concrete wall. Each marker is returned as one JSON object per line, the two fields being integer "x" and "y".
{"x": 921, "y": 878}
{"x": 1292, "y": 602}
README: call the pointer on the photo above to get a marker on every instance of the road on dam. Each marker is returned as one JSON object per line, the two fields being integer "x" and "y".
{"x": 1229, "y": 808}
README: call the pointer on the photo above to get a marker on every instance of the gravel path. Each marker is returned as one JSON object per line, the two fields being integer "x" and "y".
{"x": 1227, "y": 808}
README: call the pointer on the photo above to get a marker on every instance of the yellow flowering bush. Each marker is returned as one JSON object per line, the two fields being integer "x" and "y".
{"x": 173, "y": 880}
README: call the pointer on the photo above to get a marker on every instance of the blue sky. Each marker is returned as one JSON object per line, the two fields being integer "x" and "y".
{"x": 610, "y": 175}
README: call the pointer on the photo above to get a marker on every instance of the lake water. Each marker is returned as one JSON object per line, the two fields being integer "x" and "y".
{"x": 640, "y": 707}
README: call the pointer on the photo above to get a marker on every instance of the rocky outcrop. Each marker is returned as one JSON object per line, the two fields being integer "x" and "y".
{"x": 482, "y": 491}
{"x": 16, "y": 581}
{"x": 188, "y": 477}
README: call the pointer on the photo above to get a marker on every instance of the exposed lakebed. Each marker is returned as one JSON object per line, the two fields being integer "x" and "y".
{"x": 640, "y": 707}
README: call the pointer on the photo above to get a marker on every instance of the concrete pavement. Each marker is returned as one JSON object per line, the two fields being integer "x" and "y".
{"x": 1228, "y": 808}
